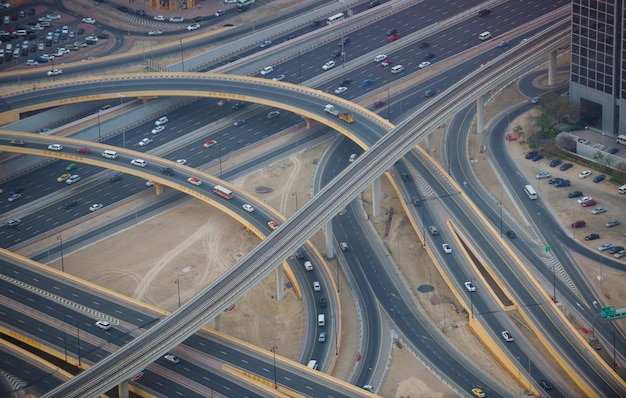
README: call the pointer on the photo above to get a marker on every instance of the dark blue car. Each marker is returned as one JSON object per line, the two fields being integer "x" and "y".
{"x": 599, "y": 178}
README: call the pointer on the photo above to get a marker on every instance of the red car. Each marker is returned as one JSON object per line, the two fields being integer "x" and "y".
{"x": 589, "y": 203}
{"x": 379, "y": 104}
{"x": 393, "y": 37}
{"x": 210, "y": 143}
{"x": 85, "y": 151}
{"x": 386, "y": 63}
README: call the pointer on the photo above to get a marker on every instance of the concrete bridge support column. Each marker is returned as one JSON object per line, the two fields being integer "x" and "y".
{"x": 217, "y": 322}
{"x": 429, "y": 143}
{"x": 480, "y": 115}
{"x": 328, "y": 234}
{"x": 122, "y": 389}
{"x": 280, "y": 282}
{"x": 552, "y": 68}
{"x": 376, "y": 197}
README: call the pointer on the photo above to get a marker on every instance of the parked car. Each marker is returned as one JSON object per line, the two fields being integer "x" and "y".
{"x": 584, "y": 174}
{"x": 531, "y": 154}
{"x": 589, "y": 203}
{"x": 575, "y": 194}
{"x": 616, "y": 249}
{"x": 563, "y": 184}
{"x": 605, "y": 246}
{"x": 578, "y": 224}
{"x": 592, "y": 237}
{"x": 566, "y": 166}
{"x": 599, "y": 178}
{"x": 537, "y": 157}
{"x": 612, "y": 223}
{"x": 555, "y": 162}
{"x": 542, "y": 175}
{"x": 598, "y": 210}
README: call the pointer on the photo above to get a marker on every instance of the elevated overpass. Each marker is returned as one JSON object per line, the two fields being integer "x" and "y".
{"x": 306, "y": 221}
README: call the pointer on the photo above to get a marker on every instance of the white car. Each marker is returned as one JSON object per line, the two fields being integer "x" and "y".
{"x": 194, "y": 181}
{"x": 47, "y": 56}
{"x": 266, "y": 43}
{"x": 341, "y": 90}
{"x": 194, "y": 26}
{"x": 598, "y": 210}
{"x": 171, "y": 358}
{"x": 542, "y": 175}
{"x": 267, "y": 70}
{"x": 248, "y": 208}
{"x": 95, "y": 207}
{"x": 158, "y": 129}
{"x": 161, "y": 121}
{"x": 53, "y": 16}
{"x": 316, "y": 286}
{"x": 139, "y": 162}
{"x": 159, "y": 18}
{"x": 605, "y": 246}
{"x": 470, "y": 286}
{"x": 156, "y": 32}
{"x": 55, "y": 147}
{"x": 328, "y": 65}
{"x": 353, "y": 157}
{"x": 72, "y": 179}
{"x": 182, "y": 161}
{"x": 89, "y": 20}
{"x": 424, "y": 64}
{"x": 507, "y": 336}
{"x": 584, "y": 174}
{"x": 145, "y": 141}
{"x": 55, "y": 72}
{"x": 584, "y": 199}
{"x": 32, "y": 62}
{"x": 380, "y": 58}
{"x": 446, "y": 248}
{"x": 104, "y": 325}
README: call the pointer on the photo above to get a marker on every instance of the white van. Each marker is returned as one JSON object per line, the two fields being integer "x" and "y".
{"x": 622, "y": 189}
{"x": 397, "y": 69}
{"x": 312, "y": 364}
{"x": 308, "y": 266}
{"x": 109, "y": 154}
{"x": 343, "y": 246}
{"x": 321, "y": 321}
{"x": 484, "y": 36}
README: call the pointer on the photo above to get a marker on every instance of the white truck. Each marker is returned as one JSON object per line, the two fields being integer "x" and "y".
{"x": 346, "y": 117}
{"x": 244, "y": 3}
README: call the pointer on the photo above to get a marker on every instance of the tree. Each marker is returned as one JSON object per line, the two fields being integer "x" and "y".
{"x": 555, "y": 106}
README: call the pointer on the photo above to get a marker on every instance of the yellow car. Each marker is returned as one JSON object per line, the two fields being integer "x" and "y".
{"x": 478, "y": 392}
{"x": 194, "y": 181}
{"x": 273, "y": 224}
{"x": 63, "y": 177}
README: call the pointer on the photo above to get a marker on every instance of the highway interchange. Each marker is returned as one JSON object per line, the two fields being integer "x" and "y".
{"x": 407, "y": 311}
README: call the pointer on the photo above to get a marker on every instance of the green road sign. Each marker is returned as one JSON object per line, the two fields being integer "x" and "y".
{"x": 613, "y": 313}
{"x": 547, "y": 249}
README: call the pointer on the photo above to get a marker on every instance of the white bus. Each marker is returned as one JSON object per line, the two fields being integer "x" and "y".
{"x": 335, "y": 18}
{"x": 223, "y": 192}
{"x": 244, "y": 3}
{"x": 621, "y": 139}
{"x": 530, "y": 192}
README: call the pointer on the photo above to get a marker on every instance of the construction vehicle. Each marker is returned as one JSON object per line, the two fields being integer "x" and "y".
{"x": 346, "y": 117}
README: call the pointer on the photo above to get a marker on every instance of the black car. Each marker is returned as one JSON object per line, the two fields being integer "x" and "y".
{"x": 555, "y": 180}
{"x": 392, "y": 32}
{"x": 374, "y": 4}
{"x": 545, "y": 385}
{"x": 537, "y": 157}
{"x": 336, "y": 53}
{"x": 316, "y": 23}
{"x": 115, "y": 178}
{"x": 416, "y": 201}
{"x": 575, "y": 194}
{"x": 613, "y": 151}
{"x": 346, "y": 40}
{"x": 531, "y": 154}
{"x": 511, "y": 234}
{"x": 167, "y": 171}
{"x": 103, "y": 36}
{"x": 555, "y": 162}
{"x": 405, "y": 177}
{"x": 430, "y": 92}
{"x": 80, "y": 31}
{"x": 484, "y": 12}
{"x": 592, "y": 237}
{"x": 122, "y": 9}
{"x": 70, "y": 203}
{"x": 323, "y": 302}
{"x": 429, "y": 56}
{"x": 424, "y": 44}
{"x": 17, "y": 190}
{"x": 239, "y": 105}
{"x": 563, "y": 184}
{"x": 198, "y": 19}
{"x": 616, "y": 249}
{"x": 346, "y": 81}
{"x": 566, "y": 166}
{"x": 139, "y": 11}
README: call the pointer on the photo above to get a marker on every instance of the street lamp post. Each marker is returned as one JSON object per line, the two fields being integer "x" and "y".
{"x": 177, "y": 282}
{"x": 275, "y": 379}
{"x": 99, "y": 130}
{"x": 182, "y": 59}
{"x": 388, "y": 105}
{"x": 500, "y": 205}
{"x": 393, "y": 312}
{"x": 296, "y": 195}
{"x": 60, "y": 239}
{"x": 472, "y": 302}
{"x": 519, "y": 376}
{"x": 219, "y": 154}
